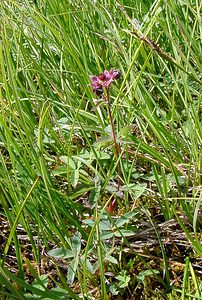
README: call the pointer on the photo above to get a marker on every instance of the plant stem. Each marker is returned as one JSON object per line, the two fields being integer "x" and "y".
{"x": 116, "y": 146}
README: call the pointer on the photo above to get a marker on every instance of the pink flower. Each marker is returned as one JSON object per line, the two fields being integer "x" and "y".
{"x": 96, "y": 85}
{"x": 103, "y": 80}
{"x": 112, "y": 206}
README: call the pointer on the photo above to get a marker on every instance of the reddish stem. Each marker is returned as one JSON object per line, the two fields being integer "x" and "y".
{"x": 116, "y": 146}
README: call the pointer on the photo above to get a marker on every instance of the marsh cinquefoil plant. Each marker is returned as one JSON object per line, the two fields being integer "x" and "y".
{"x": 53, "y": 166}
{"x": 101, "y": 87}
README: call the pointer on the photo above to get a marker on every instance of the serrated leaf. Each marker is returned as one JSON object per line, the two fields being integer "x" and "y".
{"x": 105, "y": 139}
{"x": 136, "y": 189}
{"x": 40, "y": 282}
{"x": 102, "y": 155}
{"x": 123, "y": 280}
{"x": 125, "y": 218}
{"x": 111, "y": 259}
{"x": 105, "y": 225}
{"x": 63, "y": 120}
{"x": 114, "y": 290}
{"x": 141, "y": 275}
{"x": 89, "y": 222}
{"x": 114, "y": 189}
{"x": 124, "y": 131}
{"x": 94, "y": 154}
{"x": 76, "y": 243}
{"x": 108, "y": 129}
{"x": 123, "y": 233}
{"x": 61, "y": 253}
{"x": 60, "y": 170}
{"x": 75, "y": 177}
{"x": 124, "y": 141}
{"x": 106, "y": 235}
{"x": 72, "y": 271}
{"x": 67, "y": 160}
{"x": 94, "y": 196}
{"x": 111, "y": 188}
{"x": 89, "y": 266}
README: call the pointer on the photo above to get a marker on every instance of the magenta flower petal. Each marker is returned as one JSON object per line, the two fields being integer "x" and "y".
{"x": 117, "y": 74}
{"x": 102, "y": 77}
{"x": 94, "y": 79}
{"x": 103, "y": 80}
{"x": 106, "y": 73}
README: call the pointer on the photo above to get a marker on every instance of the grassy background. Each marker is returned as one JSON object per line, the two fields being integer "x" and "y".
{"x": 58, "y": 168}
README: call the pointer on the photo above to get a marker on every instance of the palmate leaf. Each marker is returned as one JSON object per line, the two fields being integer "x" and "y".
{"x": 135, "y": 189}
{"x": 105, "y": 225}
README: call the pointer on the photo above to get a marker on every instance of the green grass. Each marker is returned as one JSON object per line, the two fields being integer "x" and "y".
{"x": 58, "y": 164}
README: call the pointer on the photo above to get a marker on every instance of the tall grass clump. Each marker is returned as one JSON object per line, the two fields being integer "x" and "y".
{"x": 100, "y": 193}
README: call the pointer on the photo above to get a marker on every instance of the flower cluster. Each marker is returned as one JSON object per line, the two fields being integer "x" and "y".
{"x": 103, "y": 80}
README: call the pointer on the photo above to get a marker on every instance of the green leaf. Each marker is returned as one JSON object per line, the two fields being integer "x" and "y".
{"x": 69, "y": 161}
{"x": 61, "y": 253}
{"x": 89, "y": 222}
{"x": 75, "y": 177}
{"x": 72, "y": 271}
{"x": 126, "y": 218}
{"x": 91, "y": 155}
{"x": 114, "y": 290}
{"x": 124, "y": 279}
{"x": 76, "y": 243}
{"x": 108, "y": 130}
{"x": 105, "y": 225}
{"x": 88, "y": 265}
{"x": 111, "y": 259}
{"x": 106, "y": 235}
{"x": 43, "y": 279}
{"x": 149, "y": 272}
{"x": 103, "y": 140}
{"x": 60, "y": 170}
{"x": 135, "y": 189}
{"x": 123, "y": 232}
{"x": 94, "y": 196}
